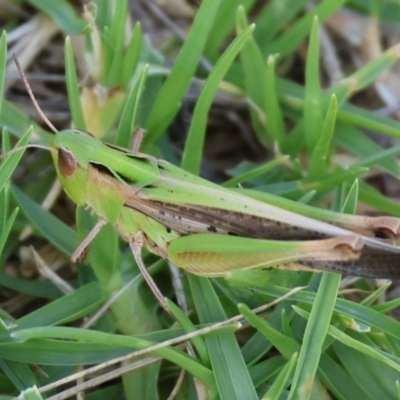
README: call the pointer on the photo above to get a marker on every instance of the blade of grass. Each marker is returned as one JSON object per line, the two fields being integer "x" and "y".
{"x": 312, "y": 102}
{"x": 72, "y": 87}
{"x": 168, "y": 100}
{"x": 273, "y": 113}
{"x": 319, "y": 155}
{"x": 191, "y": 157}
{"x": 314, "y": 336}
{"x": 231, "y": 374}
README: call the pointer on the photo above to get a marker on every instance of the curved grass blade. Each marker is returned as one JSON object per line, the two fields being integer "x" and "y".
{"x": 168, "y": 100}
{"x": 191, "y": 158}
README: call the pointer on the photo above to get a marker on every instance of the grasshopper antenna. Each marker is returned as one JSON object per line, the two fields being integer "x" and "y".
{"x": 27, "y": 146}
{"x": 29, "y": 90}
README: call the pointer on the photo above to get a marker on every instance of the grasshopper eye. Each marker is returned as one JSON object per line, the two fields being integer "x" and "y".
{"x": 66, "y": 163}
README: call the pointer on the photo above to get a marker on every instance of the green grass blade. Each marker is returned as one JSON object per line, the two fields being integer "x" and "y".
{"x": 312, "y": 102}
{"x": 116, "y": 41}
{"x": 273, "y": 113}
{"x": 350, "y": 204}
{"x": 132, "y": 56}
{"x": 63, "y": 13}
{"x": 70, "y": 307}
{"x": 255, "y": 172}
{"x": 8, "y": 165}
{"x": 191, "y": 158}
{"x": 31, "y": 393}
{"x": 19, "y": 374}
{"x": 168, "y": 100}
{"x": 359, "y": 312}
{"x": 371, "y": 196}
{"x": 231, "y": 374}
{"x": 274, "y": 17}
{"x": 319, "y": 156}
{"x": 129, "y": 113}
{"x": 253, "y": 65}
{"x": 223, "y": 25}
{"x": 338, "y": 381}
{"x": 287, "y": 346}
{"x": 3, "y": 58}
{"x": 73, "y": 88}
{"x": 357, "y": 143}
{"x": 18, "y": 123}
{"x": 6, "y": 229}
{"x": 300, "y": 29}
{"x": 174, "y": 355}
{"x": 62, "y": 236}
{"x": 364, "y": 76}
{"x": 187, "y": 324}
{"x": 275, "y": 391}
{"x": 314, "y": 336}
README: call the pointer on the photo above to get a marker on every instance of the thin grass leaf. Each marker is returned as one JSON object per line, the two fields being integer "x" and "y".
{"x": 4, "y": 206}
{"x": 289, "y": 40}
{"x": 387, "y": 306}
{"x": 116, "y": 37}
{"x": 364, "y": 76}
{"x": 63, "y": 13}
{"x": 62, "y": 236}
{"x": 369, "y": 120}
{"x": 18, "y": 123}
{"x": 296, "y": 189}
{"x": 371, "y": 196}
{"x": 357, "y": 143}
{"x": 19, "y": 374}
{"x": 273, "y": 114}
{"x": 287, "y": 346}
{"x": 350, "y": 204}
{"x": 6, "y": 229}
{"x": 107, "y": 49}
{"x": 198, "y": 341}
{"x": 4, "y": 195}
{"x": 375, "y": 295}
{"x": 312, "y": 102}
{"x": 319, "y": 156}
{"x": 191, "y": 157}
{"x": 60, "y": 352}
{"x": 132, "y": 56}
{"x": 274, "y": 17}
{"x": 72, "y": 87}
{"x": 359, "y": 312}
{"x": 314, "y": 336}
{"x": 230, "y": 372}
{"x": 168, "y": 100}
{"x": 377, "y": 378}
{"x": 30, "y": 394}
{"x": 255, "y": 172}
{"x": 68, "y": 308}
{"x": 347, "y": 340}
{"x": 172, "y": 354}
{"x": 338, "y": 381}
{"x": 40, "y": 288}
{"x": 275, "y": 391}
{"x": 8, "y": 165}
{"x": 252, "y": 62}
{"x": 3, "y": 58}
{"x": 223, "y": 25}
{"x": 129, "y": 113}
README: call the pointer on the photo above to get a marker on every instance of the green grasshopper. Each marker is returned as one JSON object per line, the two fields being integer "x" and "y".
{"x": 204, "y": 228}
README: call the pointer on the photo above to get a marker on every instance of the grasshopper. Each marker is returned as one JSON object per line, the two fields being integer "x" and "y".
{"x": 204, "y": 228}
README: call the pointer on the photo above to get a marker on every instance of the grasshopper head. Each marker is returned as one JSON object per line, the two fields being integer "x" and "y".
{"x": 71, "y": 157}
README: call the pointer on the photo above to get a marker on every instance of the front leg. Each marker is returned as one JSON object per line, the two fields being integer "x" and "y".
{"x": 80, "y": 253}
{"x": 136, "y": 244}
